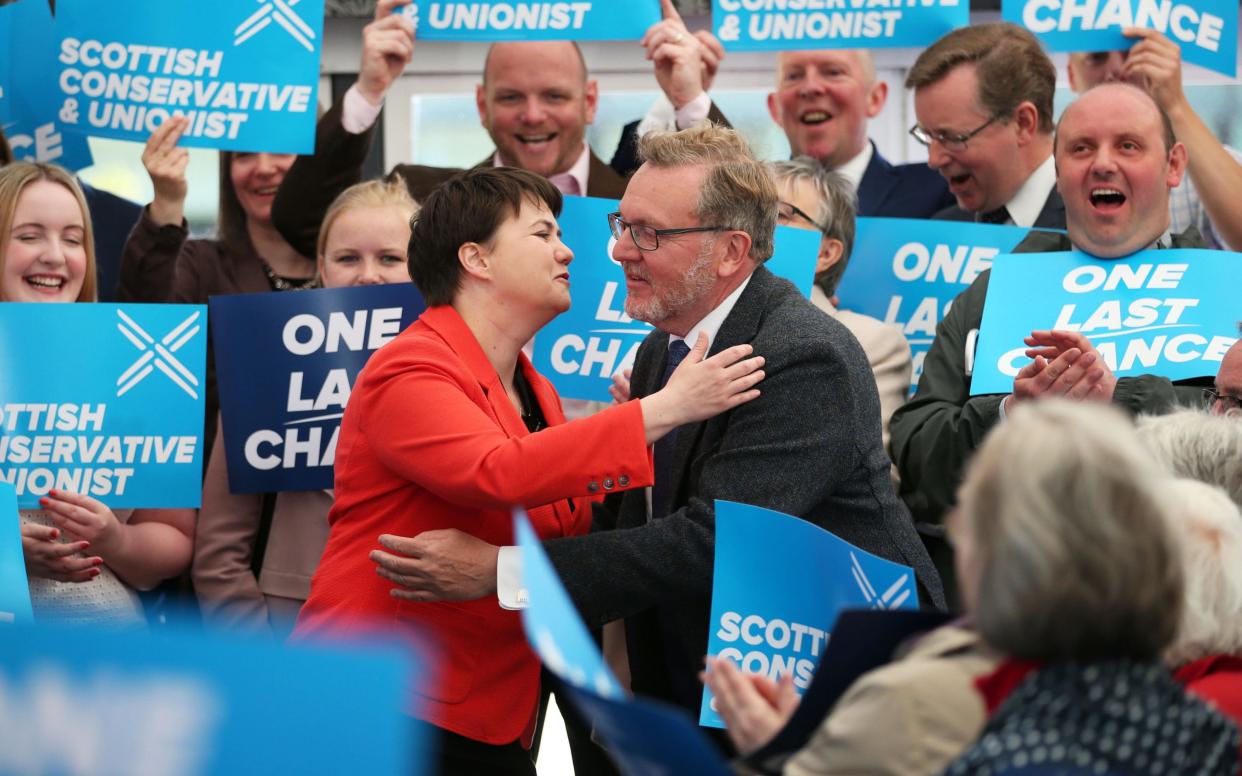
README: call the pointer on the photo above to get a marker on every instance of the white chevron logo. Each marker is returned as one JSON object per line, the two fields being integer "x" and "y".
{"x": 283, "y": 14}
{"x": 893, "y": 597}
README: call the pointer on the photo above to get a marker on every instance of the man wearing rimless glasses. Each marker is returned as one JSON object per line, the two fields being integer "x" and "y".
{"x": 983, "y": 99}
{"x": 1226, "y": 397}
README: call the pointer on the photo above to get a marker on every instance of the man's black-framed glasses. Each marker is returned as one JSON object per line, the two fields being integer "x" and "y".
{"x": 1222, "y": 403}
{"x": 647, "y": 238}
{"x": 788, "y": 211}
{"x": 951, "y": 141}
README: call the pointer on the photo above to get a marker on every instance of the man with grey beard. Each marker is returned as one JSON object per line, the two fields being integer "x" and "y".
{"x": 696, "y": 224}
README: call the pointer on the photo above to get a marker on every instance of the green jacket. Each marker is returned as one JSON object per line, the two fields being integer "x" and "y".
{"x": 934, "y": 434}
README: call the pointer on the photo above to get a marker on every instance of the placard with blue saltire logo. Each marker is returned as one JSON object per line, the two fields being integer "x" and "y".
{"x": 643, "y": 737}
{"x": 105, "y": 400}
{"x": 552, "y": 624}
{"x": 28, "y": 104}
{"x": 779, "y": 584}
{"x": 169, "y": 702}
{"x": 14, "y": 590}
{"x": 489, "y": 20}
{"x": 581, "y": 349}
{"x": 744, "y": 25}
{"x": 286, "y": 364}
{"x": 1171, "y": 313}
{"x": 244, "y": 73}
{"x": 1205, "y": 30}
{"x": 906, "y": 272}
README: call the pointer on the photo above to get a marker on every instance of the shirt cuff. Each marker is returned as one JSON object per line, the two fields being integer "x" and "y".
{"x": 694, "y": 111}
{"x": 509, "y": 589}
{"x": 357, "y": 114}
{"x": 1000, "y": 410}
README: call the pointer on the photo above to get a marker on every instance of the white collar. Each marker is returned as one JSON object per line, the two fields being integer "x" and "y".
{"x": 854, "y": 169}
{"x": 1026, "y": 205}
{"x": 711, "y": 323}
{"x": 577, "y": 173}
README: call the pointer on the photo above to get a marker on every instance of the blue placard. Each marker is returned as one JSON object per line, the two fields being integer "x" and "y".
{"x": 28, "y": 104}
{"x": 744, "y": 25}
{"x": 779, "y": 584}
{"x": 1171, "y": 313}
{"x": 14, "y": 590}
{"x": 179, "y": 703}
{"x": 1206, "y": 30}
{"x": 104, "y": 400}
{"x": 245, "y": 73}
{"x": 646, "y": 738}
{"x": 643, "y": 737}
{"x": 488, "y": 20}
{"x": 906, "y": 272}
{"x": 552, "y": 624}
{"x": 580, "y": 350}
{"x": 286, "y": 364}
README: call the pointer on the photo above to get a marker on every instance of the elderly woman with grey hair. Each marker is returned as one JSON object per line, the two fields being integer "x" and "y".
{"x": 1199, "y": 446}
{"x": 816, "y": 198}
{"x": 1067, "y": 558}
{"x": 1207, "y": 654}
{"x": 1207, "y": 449}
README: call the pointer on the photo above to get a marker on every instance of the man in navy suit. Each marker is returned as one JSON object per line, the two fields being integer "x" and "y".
{"x": 823, "y": 101}
{"x": 983, "y": 99}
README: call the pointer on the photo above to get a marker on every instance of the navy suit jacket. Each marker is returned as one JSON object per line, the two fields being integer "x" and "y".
{"x": 901, "y": 190}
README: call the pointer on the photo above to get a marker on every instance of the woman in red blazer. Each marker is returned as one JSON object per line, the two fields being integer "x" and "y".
{"x": 450, "y": 426}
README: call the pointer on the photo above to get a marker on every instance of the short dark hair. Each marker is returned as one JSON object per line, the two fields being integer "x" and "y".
{"x": 467, "y": 208}
{"x": 1009, "y": 63}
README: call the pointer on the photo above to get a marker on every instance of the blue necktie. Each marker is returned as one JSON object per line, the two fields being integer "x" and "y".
{"x": 662, "y": 490}
{"x": 998, "y": 216}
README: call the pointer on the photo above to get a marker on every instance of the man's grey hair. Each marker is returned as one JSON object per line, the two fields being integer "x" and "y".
{"x": 737, "y": 192}
{"x": 1068, "y": 519}
{"x": 1208, "y": 526}
{"x": 1199, "y": 446}
{"x": 836, "y": 211}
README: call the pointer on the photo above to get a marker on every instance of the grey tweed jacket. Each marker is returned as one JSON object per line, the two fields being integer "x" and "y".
{"x": 808, "y": 446}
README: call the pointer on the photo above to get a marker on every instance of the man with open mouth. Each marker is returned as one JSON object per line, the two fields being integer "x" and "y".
{"x": 983, "y": 99}
{"x": 1117, "y": 159}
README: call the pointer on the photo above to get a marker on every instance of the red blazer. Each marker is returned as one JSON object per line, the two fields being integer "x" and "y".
{"x": 430, "y": 440}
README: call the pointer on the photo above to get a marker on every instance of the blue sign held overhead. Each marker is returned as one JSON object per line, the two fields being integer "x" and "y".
{"x": 245, "y": 74}
{"x": 779, "y": 584}
{"x": 581, "y": 349}
{"x": 286, "y": 364}
{"x": 488, "y": 20}
{"x": 1206, "y": 30}
{"x": 28, "y": 104}
{"x": 1171, "y": 313}
{"x": 777, "y": 25}
{"x": 14, "y": 590}
{"x": 179, "y": 703}
{"x": 126, "y": 425}
{"x": 906, "y": 272}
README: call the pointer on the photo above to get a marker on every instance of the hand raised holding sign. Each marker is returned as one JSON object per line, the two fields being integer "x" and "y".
{"x": 166, "y": 163}
{"x": 387, "y": 47}
{"x": 685, "y": 64}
